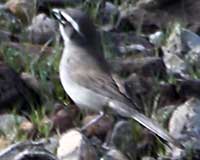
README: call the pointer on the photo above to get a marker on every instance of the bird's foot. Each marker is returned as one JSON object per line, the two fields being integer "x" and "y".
{"x": 92, "y": 122}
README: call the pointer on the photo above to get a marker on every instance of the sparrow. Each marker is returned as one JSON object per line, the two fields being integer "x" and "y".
{"x": 85, "y": 75}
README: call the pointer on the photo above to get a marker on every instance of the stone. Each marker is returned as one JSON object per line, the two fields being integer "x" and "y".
{"x": 122, "y": 139}
{"x": 74, "y": 145}
{"x": 114, "y": 154}
{"x": 9, "y": 125}
{"x": 184, "y": 125}
{"x": 99, "y": 129}
{"x": 42, "y": 30}
{"x": 24, "y": 10}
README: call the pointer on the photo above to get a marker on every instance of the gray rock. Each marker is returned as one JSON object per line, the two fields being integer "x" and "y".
{"x": 152, "y": 4}
{"x": 9, "y": 125}
{"x": 191, "y": 44}
{"x": 123, "y": 44}
{"x": 189, "y": 88}
{"x": 42, "y": 29}
{"x": 185, "y": 120}
{"x": 8, "y": 23}
{"x": 99, "y": 129}
{"x": 114, "y": 154}
{"x": 24, "y": 10}
{"x": 57, "y": 3}
{"x": 175, "y": 64}
{"x": 189, "y": 39}
{"x": 27, "y": 150}
{"x": 156, "y": 38}
{"x": 173, "y": 53}
{"x": 108, "y": 15}
{"x": 122, "y": 139}
{"x": 74, "y": 145}
{"x": 146, "y": 66}
{"x": 52, "y": 144}
{"x": 148, "y": 158}
{"x": 185, "y": 125}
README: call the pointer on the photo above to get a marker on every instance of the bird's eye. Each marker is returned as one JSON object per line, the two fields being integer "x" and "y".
{"x": 58, "y": 16}
{"x": 71, "y": 21}
{"x": 62, "y": 19}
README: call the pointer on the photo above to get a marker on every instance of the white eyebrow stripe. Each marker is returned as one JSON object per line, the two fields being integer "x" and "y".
{"x": 64, "y": 35}
{"x": 72, "y": 21}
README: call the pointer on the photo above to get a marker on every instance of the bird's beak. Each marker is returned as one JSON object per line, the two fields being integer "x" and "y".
{"x": 57, "y": 15}
{"x": 64, "y": 18}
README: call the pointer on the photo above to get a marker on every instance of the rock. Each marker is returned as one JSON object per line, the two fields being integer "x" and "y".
{"x": 122, "y": 139}
{"x": 173, "y": 43}
{"x": 164, "y": 114}
{"x": 184, "y": 121}
{"x": 184, "y": 125}
{"x": 156, "y": 38}
{"x": 174, "y": 53}
{"x": 101, "y": 128}
{"x": 14, "y": 90}
{"x": 131, "y": 17}
{"x": 189, "y": 88}
{"x": 73, "y": 145}
{"x": 148, "y": 144}
{"x": 108, "y": 15}
{"x": 169, "y": 94}
{"x": 9, "y": 125}
{"x": 42, "y": 30}
{"x": 9, "y": 26}
{"x": 146, "y": 66}
{"x": 123, "y": 44}
{"x": 175, "y": 65}
{"x": 64, "y": 117}
{"x": 148, "y": 158}
{"x": 153, "y": 4}
{"x": 183, "y": 42}
{"x": 22, "y": 9}
{"x": 156, "y": 15}
{"x": 4, "y": 142}
{"x": 191, "y": 44}
{"x": 30, "y": 80}
{"x": 114, "y": 154}
{"x": 4, "y": 35}
{"x": 52, "y": 144}
{"x": 141, "y": 90}
{"x": 44, "y": 6}
{"x": 189, "y": 39}
{"x": 27, "y": 150}
{"x": 144, "y": 91}
{"x": 27, "y": 128}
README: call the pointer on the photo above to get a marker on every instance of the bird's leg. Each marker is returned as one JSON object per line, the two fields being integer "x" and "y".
{"x": 94, "y": 121}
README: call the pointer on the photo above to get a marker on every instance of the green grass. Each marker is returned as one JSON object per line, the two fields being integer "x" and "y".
{"x": 45, "y": 69}
{"x": 43, "y": 128}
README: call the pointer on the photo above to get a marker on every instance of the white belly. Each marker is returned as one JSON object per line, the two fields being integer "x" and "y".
{"x": 83, "y": 97}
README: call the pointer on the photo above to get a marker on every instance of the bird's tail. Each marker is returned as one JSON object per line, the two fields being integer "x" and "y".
{"x": 129, "y": 112}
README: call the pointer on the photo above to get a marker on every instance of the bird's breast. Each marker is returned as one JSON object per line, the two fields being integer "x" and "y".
{"x": 82, "y": 96}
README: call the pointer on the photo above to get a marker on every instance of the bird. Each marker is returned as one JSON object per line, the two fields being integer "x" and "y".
{"x": 86, "y": 76}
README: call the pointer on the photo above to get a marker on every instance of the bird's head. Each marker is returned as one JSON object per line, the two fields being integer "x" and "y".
{"x": 75, "y": 26}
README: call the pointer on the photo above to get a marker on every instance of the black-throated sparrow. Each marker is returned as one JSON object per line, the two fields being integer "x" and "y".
{"x": 85, "y": 74}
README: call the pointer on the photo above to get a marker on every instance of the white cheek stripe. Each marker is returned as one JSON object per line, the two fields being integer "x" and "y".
{"x": 62, "y": 32}
{"x": 72, "y": 21}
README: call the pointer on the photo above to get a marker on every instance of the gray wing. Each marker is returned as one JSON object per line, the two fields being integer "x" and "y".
{"x": 96, "y": 76}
